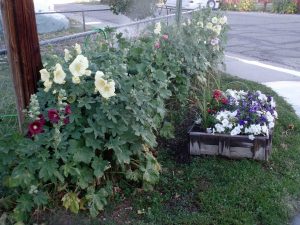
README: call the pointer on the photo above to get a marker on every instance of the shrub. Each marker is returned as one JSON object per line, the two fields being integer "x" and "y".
{"x": 246, "y": 5}
{"x": 95, "y": 119}
{"x": 284, "y": 6}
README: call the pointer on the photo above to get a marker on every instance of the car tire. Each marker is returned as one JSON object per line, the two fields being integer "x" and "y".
{"x": 211, "y": 4}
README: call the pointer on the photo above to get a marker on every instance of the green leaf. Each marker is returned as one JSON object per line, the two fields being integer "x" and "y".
{"x": 100, "y": 166}
{"x": 40, "y": 198}
{"x": 48, "y": 169}
{"x": 71, "y": 202}
{"x": 83, "y": 155}
{"x": 97, "y": 201}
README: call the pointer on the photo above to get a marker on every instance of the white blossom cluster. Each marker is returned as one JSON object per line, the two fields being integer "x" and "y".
{"x": 254, "y": 106}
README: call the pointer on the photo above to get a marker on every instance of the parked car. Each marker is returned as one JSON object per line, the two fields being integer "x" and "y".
{"x": 193, "y": 4}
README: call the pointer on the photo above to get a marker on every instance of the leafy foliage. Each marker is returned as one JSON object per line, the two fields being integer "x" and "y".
{"x": 96, "y": 119}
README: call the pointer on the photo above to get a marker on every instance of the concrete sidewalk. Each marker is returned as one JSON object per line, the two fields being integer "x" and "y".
{"x": 285, "y": 81}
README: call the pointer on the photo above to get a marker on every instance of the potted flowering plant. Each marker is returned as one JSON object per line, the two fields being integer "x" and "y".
{"x": 240, "y": 126}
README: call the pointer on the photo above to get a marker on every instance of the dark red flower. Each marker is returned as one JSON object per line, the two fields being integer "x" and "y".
{"x": 53, "y": 115}
{"x": 165, "y": 37}
{"x": 66, "y": 120}
{"x": 42, "y": 119}
{"x": 209, "y": 110}
{"x": 217, "y": 94}
{"x": 224, "y": 100}
{"x": 157, "y": 45}
{"x": 68, "y": 110}
{"x": 35, "y": 128}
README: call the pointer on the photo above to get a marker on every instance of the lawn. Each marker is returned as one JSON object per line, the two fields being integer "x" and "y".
{"x": 212, "y": 190}
{"x": 8, "y": 119}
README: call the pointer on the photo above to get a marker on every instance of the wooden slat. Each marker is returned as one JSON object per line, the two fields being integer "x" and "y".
{"x": 22, "y": 43}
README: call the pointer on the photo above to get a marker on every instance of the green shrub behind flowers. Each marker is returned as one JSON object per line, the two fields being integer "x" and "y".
{"x": 96, "y": 116}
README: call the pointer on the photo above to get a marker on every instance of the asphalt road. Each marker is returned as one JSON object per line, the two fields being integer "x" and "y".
{"x": 267, "y": 37}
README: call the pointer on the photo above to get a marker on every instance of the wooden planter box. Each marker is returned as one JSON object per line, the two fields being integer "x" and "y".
{"x": 239, "y": 146}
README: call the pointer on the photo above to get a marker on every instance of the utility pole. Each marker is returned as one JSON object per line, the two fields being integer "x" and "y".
{"x": 23, "y": 49}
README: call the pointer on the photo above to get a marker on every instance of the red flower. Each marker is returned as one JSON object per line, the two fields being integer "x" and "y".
{"x": 66, "y": 120}
{"x": 217, "y": 94}
{"x": 35, "y": 127}
{"x": 165, "y": 37}
{"x": 157, "y": 45}
{"x": 209, "y": 110}
{"x": 68, "y": 110}
{"x": 53, "y": 115}
{"x": 42, "y": 119}
{"x": 224, "y": 100}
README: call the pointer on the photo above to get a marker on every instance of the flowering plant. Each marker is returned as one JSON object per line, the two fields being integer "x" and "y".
{"x": 240, "y": 112}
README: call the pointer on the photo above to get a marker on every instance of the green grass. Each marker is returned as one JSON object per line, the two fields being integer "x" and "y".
{"x": 8, "y": 120}
{"x": 214, "y": 190}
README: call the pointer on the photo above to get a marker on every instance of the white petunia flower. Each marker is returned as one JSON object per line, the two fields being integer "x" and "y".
{"x": 45, "y": 75}
{"x": 219, "y": 128}
{"x": 271, "y": 125}
{"x": 76, "y": 80}
{"x": 251, "y": 137}
{"x": 68, "y": 56}
{"x": 59, "y": 74}
{"x": 157, "y": 29}
{"x": 79, "y": 66}
{"x": 237, "y": 130}
{"x": 265, "y": 130}
{"x": 78, "y": 49}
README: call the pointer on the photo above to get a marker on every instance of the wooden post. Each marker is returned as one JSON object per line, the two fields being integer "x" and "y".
{"x": 178, "y": 12}
{"x": 23, "y": 49}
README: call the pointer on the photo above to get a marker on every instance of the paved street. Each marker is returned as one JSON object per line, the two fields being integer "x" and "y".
{"x": 265, "y": 36}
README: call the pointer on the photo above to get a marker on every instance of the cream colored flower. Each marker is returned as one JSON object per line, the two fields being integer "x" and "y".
{"x": 217, "y": 29}
{"x": 214, "y": 20}
{"x": 47, "y": 85}
{"x": 223, "y": 20}
{"x": 79, "y": 66}
{"x": 68, "y": 56}
{"x": 78, "y": 49}
{"x": 200, "y": 24}
{"x": 209, "y": 25}
{"x": 45, "y": 75}
{"x": 88, "y": 73}
{"x": 99, "y": 74}
{"x": 59, "y": 74}
{"x": 100, "y": 83}
{"x": 76, "y": 80}
{"x": 157, "y": 28}
{"x": 108, "y": 90}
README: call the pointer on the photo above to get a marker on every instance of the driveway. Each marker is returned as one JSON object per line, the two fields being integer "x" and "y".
{"x": 268, "y": 37}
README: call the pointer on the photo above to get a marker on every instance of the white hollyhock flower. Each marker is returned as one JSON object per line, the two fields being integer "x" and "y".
{"x": 214, "y": 20}
{"x": 100, "y": 82}
{"x": 88, "y": 73}
{"x": 76, "y": 80}
{"x": 45, "y": 75}
{"x": 79, "y": 66}
{"x": 68, "y": 56}
{"x": 200, "y": 24}
{"x": 209, "y": 25}
{"x": 157, "y": 28}
{"x": 108, "y": 90}
{"x": 47, "y": 85}
{"x": 78, "y": 49}
{"x": 59, "y": 74}
{"x": 223, "y": 20}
